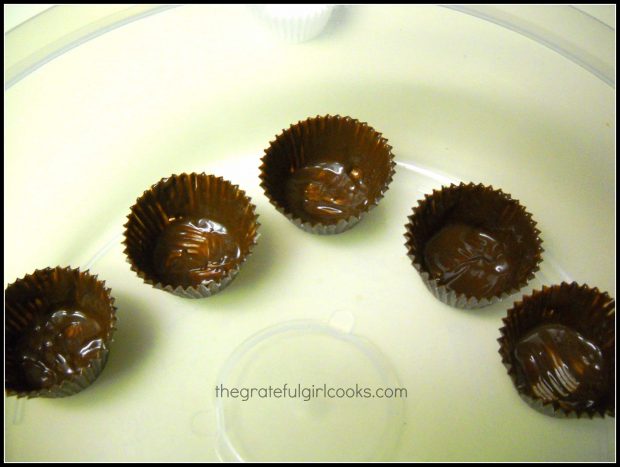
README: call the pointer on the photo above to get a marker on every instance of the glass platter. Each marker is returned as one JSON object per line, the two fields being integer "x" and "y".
{"x": 206, "y": 89}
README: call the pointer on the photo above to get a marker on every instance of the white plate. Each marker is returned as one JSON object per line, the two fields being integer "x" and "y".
{"x": 205, "y": 89}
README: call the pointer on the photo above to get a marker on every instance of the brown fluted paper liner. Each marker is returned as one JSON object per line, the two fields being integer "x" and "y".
{"x": 189, "y": 234}
{"x": 360, "y": 151}
{"x": 478, "y": 206}
{"x": 585, "y": 310}
{"x": 32, "y": 299}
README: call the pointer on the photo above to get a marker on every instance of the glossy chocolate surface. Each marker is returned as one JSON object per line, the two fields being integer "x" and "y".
{"x": 559, "y": 364}
{"x": 327, "y": 192}
{"x": 192, "y": 251}
{"x": 468, "y": 260}
{"x": 57, "y": 346}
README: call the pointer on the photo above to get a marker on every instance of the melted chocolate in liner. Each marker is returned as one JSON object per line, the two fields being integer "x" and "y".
{"x": 326, "y": 191}
{"x": 194, "y": 251}
{"x": 57, "y": 346}
{"x": 468, "y": 260}
{"x": 559, "y": 364}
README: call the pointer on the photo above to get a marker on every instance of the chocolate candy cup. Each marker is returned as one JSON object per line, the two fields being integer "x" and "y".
{"x": 325, "y": 173}
{"x": 558, "y": 345}
{"x": 59, "y": 324}
{"x": 472, "y": 245}
{"x": 189, "y": 234}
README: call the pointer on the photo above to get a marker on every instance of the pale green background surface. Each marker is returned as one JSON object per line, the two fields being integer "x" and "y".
{"x": 205, "y": 89}
{"x": 15, "y": 14}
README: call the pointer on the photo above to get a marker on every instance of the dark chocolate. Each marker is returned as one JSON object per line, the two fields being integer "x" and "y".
{"x": 58, "y": 328}
{"x": 559, "y": 364}
{"x": 472, "y": 244}
{"x": 189, "y": 234}
{"x": 325, "y": 173}
{"x": 192, "y": 251}
{"x": 468, "y": 260}
{"x": 57, "y": 346}
{"x": 327, "y": 191}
